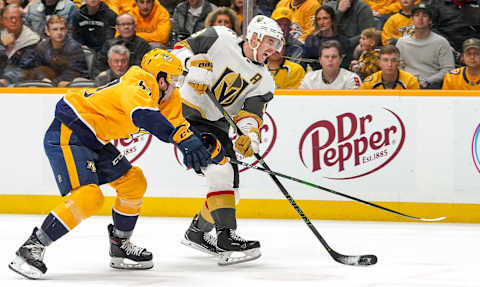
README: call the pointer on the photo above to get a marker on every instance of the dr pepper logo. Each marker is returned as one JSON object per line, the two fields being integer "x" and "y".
{"x": 352, "y": 145}
{"x": 134, "y": 146}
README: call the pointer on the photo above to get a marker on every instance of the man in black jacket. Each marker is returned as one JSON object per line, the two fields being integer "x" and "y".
{"x": 94, "y": 24}
{"x": 125, "y": 26}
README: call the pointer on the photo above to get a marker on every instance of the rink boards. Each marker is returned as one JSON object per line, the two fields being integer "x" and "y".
{"x": 417, "y": 152}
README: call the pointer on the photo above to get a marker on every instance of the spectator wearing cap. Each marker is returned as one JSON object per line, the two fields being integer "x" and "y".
{"x": 468, "y": 76}
{"x": 426, "y": 55}
{"x": 118, "y": 58}
{"x": 94, "y": 24}
{"x": 326, "y": 30}
{"x": 153, "y": 22}
{"x": 39, "y": 12}
{"x": 390, "y": 76}
{"x": 189, "y": 17}
{"x": 125, "y": 26}
{"x": 294, "y": 47}
{"x": 303, "y": 16}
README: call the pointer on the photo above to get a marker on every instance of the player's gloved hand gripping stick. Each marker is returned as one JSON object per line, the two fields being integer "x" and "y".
{"x": 195, "y": 155}
{"x": 361, "y": 260}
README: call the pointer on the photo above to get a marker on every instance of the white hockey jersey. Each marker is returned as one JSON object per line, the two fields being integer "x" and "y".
{"x": 236, "y": 77}
{"x": 345, "y": 80}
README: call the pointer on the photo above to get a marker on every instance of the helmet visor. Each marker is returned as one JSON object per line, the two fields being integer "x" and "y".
{"x": 272, "y": 43}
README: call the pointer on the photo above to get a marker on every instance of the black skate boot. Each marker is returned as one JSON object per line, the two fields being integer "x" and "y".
{"x": 200, "y": 240}
{"x": 236, "y": 249}
{"x": 29, "y": 259}
{"x": 125, "y": 255}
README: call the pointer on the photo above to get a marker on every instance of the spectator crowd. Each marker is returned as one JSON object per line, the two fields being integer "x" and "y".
{"x": 328, "y": 44}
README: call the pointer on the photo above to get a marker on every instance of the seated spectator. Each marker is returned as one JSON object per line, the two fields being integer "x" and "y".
{"x": 118, "y": 58}
{"x": 126, "y": 36}
{"x": 287, "y": 74}
{"x": 120, "y": 6}
{"x": 326, "y": 30}
{"x": 331, "y": 76}
{"x": 294, "y": 47}
{"x": 399, "y": 24}
{"x": 19, "y": 41}
{"x": 223, "y": 16}
{"x": 59, "y": 59}
{"x": 353, "y": 16}
{"x": 189, "y": 17}
{"x": 153, "y": 22}
{"x": 468, "y": 76}
{"x": 456, "y": 20}
{"x": 390, "y": 76}
{"x": 40, "y": 10}
{"x": 303, "y": 16}
{"x": 94, "y": 24}
{"x": 426, "y": 55}
{"x": 367, "y": 63}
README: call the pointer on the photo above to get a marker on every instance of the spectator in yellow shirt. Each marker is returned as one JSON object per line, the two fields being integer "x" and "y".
{"x": 153, "y": 22}
{"x": 303, "y": 16}
{"x": 390, "y": 76}
{"x": 287, "y": 74}
{"x": 468, "y": 76}
{"x": 399, "y": 24}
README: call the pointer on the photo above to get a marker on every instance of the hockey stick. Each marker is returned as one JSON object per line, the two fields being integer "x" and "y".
{"x": 355, "y": 260}
{"x": 332, "y": 191}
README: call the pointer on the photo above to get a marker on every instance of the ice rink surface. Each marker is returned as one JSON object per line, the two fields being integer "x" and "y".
{"x": 409, "y": 255}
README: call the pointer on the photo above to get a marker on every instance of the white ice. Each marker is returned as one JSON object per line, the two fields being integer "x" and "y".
{"x": 409, "y": 255}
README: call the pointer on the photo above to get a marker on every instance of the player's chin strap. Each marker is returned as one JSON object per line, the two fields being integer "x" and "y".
{"x": 255, "y": 49}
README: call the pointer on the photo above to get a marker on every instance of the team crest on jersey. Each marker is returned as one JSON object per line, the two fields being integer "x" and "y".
{"x": 455, "y": 71}
{"x": 229, "y": 87}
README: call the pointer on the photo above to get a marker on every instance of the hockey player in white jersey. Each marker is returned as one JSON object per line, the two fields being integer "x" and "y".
{"x": 234, "y": 70}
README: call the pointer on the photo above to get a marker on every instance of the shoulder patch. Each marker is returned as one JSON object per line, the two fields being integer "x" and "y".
{"x": 368, "y": 79}
{"x": 455, "y": 71}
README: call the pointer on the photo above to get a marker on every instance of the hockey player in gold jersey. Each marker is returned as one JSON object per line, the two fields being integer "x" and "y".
{"x": 468, "y": 76}
{"x": 77, "y": 144}
{"x": 390, "y": 76}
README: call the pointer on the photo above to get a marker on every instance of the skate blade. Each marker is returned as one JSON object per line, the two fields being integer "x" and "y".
{"x": 20, "y": 266}
{"x": 198, "y": 247}
{"x": 235, "y": 257}
{"x": 125, "y": 263}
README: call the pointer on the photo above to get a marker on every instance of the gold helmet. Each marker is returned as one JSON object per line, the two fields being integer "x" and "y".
{"x": 158, "y": 60}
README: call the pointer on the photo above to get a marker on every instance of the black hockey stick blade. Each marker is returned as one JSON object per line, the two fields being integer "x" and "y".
{"x": 360, "y": 260}
{"x": 334, "y": 192}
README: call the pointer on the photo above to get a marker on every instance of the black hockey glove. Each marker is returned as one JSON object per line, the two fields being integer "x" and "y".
{"x": 195, "y": 155}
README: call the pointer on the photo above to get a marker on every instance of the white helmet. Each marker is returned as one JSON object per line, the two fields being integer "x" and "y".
{"x": 264, "y": 26}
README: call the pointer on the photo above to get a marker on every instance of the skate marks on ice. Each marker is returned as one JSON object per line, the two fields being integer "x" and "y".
{"x": 410, "y": 254}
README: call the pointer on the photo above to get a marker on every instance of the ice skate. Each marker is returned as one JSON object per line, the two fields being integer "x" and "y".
{"x": 199, "y": 240}
{"x": 125, "y": 255}
{"x": 236, "y": 249}
{"x": 29, "y": 259}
